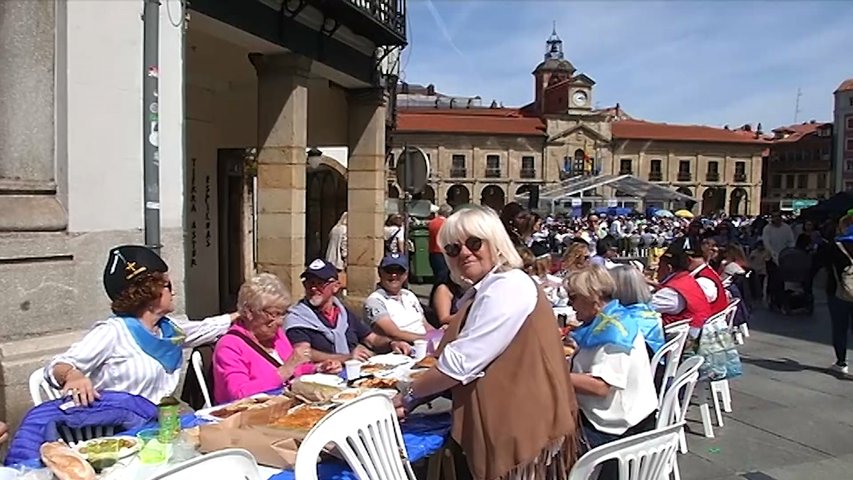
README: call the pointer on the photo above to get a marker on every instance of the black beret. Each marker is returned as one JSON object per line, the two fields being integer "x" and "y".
{"x": 126, "y": 263}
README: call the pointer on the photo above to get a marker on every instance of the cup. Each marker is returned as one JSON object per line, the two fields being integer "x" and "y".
{"x": 153, "y": 451}
{"x": 353, "y": 369}
{"x": 420, "y": 349}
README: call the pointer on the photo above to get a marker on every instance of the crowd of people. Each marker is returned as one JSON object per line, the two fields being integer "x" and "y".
{"x": 501, "y": 281}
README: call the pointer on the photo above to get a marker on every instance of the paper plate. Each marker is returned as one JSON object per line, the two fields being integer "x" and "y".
{"x": 132, "y": 445}
{"x": 395, "y": 359}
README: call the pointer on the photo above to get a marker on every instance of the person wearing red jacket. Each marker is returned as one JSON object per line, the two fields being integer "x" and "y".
{"x": 679, "y": 295}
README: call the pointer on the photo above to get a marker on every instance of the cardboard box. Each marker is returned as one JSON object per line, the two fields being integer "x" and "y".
{"x": 251, "y": 430}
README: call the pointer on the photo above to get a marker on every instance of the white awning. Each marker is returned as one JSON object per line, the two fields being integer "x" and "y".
{"x": 627, "y": 184}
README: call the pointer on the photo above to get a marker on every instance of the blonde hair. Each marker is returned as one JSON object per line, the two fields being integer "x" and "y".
{"x": 528, "y": 260}
{"x": 261, "y": 291}
{"x": 575, "y": 252}
{"x": 592, "y": 282}
{"x": 483, "y": 223}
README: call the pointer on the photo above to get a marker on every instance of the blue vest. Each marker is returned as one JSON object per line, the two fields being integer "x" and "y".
{"x": 120, "y": 410}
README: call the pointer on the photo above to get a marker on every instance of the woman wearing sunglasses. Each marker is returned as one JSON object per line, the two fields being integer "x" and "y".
{"x": 139, "y": 349}
{"x": 502, "y": 361}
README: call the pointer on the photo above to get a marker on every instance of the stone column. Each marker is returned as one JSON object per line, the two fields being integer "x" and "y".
{"x": 366, "y": 190}
{"x": 282, "y": 140}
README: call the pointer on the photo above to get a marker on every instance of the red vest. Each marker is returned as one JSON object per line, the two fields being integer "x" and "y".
{"x": 696, "y": 303}
{"x": 722, "y": 300}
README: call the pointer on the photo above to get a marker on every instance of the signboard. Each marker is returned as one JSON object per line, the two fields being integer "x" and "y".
{"x": 612, "y": 202}
{"x": 801, "y": 204}
{"x": 577, "y": 202}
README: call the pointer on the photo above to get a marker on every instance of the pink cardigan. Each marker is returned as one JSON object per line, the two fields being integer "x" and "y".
{"x": 239, "y": 371}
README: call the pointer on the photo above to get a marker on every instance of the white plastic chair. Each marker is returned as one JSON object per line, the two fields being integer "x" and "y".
{"x": 230, "y": 464}
{"x": 669, "y": 354}
{"x": 367, "y": 435}
{"x": 675, "y": 403}
{"x": 40, "y": 390}
{"x": 647, "y": 456}
{"x": 675, "y": 329}
{"x": 731, "y": 313}
{"x": 196, "y": 361}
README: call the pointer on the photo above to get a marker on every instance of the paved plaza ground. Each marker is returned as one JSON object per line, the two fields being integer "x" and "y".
{"x": 791, "y": 419}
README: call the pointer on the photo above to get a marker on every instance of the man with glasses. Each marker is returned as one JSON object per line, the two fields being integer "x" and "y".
{"x": 393, "y": 310}
{"x": 332, "y": 331}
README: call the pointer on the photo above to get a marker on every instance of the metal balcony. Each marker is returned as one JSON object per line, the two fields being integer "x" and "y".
{"x": 740, "y": 177}
{"x": 655, "y": 176}
{"x": 383, "y": 21}
{"x": 493, "y": 173}
{"x": 684, "y": 176}
{"x": 712, "y": 176}
{"x": 528, "y": 173}
{"x": 458, "y": 172}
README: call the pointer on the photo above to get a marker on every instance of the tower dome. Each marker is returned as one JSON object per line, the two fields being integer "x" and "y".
{"x": 554, "y": 60}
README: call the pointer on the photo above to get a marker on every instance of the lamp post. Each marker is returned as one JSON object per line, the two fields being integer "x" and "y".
{"x": 150, "y": 123}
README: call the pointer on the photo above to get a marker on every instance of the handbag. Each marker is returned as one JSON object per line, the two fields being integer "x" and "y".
{"x": 263, "y": 353}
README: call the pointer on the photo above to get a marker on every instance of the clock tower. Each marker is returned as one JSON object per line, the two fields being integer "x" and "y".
{"x": 558, "y": 89}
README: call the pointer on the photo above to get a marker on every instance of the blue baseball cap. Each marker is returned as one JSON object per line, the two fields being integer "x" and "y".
{"x": 320, "y": 269}
{"x": 395, "y": 260}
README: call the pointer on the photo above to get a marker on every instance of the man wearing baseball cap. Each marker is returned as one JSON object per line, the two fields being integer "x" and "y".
{"x": 332, "y": 331}
{"x": 393, "y": 310}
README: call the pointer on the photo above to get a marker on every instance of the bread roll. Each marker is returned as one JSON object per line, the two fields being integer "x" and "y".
{"x": 65, "y": 463}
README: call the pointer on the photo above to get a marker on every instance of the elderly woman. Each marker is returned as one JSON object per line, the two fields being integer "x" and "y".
{"x": 255, "y": 356}
{"x": 494, "y": 346}
{"x": 635, "y": 295}
{"x": 611, "y": 370}
{"x": 137, "y": 350}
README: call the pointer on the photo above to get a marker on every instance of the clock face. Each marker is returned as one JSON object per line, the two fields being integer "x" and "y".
{"x": 579, "y": 98}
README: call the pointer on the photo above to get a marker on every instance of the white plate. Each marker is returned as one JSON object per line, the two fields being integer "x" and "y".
{"x": 323, "y": 379}
{"x": 205, "y": 413}
{"x": 395, "y": 359}
{"x": 124, "y": 452}
{"x": 360, "y": 392}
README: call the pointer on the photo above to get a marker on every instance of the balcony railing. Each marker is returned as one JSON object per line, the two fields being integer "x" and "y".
{"x": 684, "y": 176}
{"x": 740, "y": 177}
{"x": 528, "y": 173}
{"x": 458, "y": 172}
{"x": 626, "y": 171}
{"x": 383, "y": 21}
{"x": 712, "y": 176}
{"x": 493, "y": 172}
{"x": 655, "y": 176}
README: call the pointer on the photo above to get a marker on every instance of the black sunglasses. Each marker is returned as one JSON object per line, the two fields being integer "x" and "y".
{"x": 454, "y": 249}
{"x": 394, "y": 270}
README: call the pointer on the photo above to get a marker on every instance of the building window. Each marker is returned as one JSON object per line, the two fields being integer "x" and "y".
{"x": 848, "y": 165}
{"x": 740, "y": 171}
{"x": 528, "y": 168}
{"x": 776, "y": 181}
{"x": 850, "y": 122}
{"x": 493, "y": 166}
{"x": 655, "y": 173}
{"x": 789, "y": 181}
{"x": 625, "y": 167}
{"x": 684, "y": 171}
{"x": 713, "y": 173}
{"x": 802, "y": 180}
{"x": 821, "y": 180}
{"x": 457, "y": 167}
{"x": 849, "y": 147}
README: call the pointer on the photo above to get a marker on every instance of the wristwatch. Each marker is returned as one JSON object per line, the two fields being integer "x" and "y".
{"x": 409, "y": 399}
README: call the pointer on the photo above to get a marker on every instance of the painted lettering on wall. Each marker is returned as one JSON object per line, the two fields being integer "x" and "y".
{"x": 207, "y": 211}
{"x": 193, "y": 209}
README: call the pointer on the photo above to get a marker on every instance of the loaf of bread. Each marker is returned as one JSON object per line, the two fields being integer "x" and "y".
{"x": 66, "y": 464}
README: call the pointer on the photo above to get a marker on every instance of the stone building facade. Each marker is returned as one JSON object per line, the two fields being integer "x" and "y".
{"x": 842, "y": 171}
{"x": 490, "y": 155}
{"x": 798, "y": 165}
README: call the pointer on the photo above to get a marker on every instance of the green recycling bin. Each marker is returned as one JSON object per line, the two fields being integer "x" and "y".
{"x": 420, "y": 270}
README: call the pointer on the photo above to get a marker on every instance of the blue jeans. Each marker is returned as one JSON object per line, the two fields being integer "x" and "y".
{"x": 841, "y": 315}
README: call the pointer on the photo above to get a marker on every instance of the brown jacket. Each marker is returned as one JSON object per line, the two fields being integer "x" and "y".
{"x": 520, "y": 418}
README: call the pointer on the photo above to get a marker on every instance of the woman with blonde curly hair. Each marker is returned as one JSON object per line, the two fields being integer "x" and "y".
{"x": 505, "y": 336}
{"x": 255, "y": 356}
{"x": 575, "y": 258}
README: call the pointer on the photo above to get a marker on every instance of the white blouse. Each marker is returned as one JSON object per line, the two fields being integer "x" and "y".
{"x": 502, "y": 303}
{"x": 632, "y": 395}
{"x": 112, "y": 359}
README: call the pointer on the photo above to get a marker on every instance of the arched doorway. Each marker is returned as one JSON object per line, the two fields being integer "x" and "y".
{"x": 713, "y": 200}
{"x": 458, "y": 195}
{"x": 325, "y": 201}
{"x": 738, "y": 202}
{"x": 689, "y": 204}
{"x": 579, "y": 163}
{"x": 493, "y": 196}
{"x": 428, "y": 194}
{"x": 393, "y": 191}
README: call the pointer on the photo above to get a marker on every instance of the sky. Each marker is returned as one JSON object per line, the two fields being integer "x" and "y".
{"x": 724, "y": 62}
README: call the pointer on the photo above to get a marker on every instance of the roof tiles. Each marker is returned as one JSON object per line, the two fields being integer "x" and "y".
{"x": 642, "y": 130}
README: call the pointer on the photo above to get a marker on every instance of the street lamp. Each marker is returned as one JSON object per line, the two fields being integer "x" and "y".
{"x": 314, "y": 157}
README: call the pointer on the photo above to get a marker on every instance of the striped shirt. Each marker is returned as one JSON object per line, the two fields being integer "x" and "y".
{"x": 112, "y": 360}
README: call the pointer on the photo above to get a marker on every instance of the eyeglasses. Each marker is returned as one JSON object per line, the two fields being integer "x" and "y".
{"x": 394, "y": 271}
{"x": 473, "y": 244}
{"x": 169, "y": 286}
